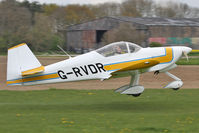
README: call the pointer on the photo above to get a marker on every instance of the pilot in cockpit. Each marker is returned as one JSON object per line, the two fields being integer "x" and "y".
{"x": 118, "y": 50}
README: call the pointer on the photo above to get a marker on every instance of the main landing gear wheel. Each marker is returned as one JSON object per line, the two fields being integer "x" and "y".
{"x": 132, "y": 89}
{"x": 136, "y": 95}
{"x": 175, "y": 89}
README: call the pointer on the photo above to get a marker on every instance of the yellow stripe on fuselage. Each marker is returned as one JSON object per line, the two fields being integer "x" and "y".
{"x": 35, "y": 78}
{"x": 167, "y": 58}
{"x": 162, "y": 59}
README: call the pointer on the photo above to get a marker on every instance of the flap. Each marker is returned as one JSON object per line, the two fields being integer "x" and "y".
{"x": 33, "y": 71}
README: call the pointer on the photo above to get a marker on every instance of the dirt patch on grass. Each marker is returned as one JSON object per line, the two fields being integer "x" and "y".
{"x": 189, "y": 75}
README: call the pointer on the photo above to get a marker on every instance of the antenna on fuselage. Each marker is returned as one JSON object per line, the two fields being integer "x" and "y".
{"x": 64, "y": 51}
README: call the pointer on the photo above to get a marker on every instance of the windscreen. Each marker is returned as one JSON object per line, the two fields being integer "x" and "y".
{"x": 133, "y": 47}
{"x": 113, "y": 49}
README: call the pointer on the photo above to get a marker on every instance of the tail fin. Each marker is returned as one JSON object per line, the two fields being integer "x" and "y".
{"x": 21, "y": 62}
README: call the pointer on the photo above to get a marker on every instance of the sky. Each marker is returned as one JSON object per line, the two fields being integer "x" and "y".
{"x": 193, "y": 3}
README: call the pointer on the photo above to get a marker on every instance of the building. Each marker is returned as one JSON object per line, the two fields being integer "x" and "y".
{"x": 167, "y": 31}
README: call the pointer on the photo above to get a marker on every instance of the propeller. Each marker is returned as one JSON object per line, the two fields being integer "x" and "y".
{"x": 185, "y": 54}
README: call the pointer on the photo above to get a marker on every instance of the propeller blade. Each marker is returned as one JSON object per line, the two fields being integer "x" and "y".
{"x": 185, "y": 54}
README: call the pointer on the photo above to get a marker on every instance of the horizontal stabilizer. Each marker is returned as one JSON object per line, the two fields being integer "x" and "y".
{"x": 33, "y": 71}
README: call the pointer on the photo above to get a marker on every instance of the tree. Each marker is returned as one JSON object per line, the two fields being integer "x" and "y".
{"x": 14, "y": 23}
{"x": 77, "y": 13}
{"x": 42, "y": 37}
{"x": 155, "y": 44}
{"x": 129, "y": 8}
{"x": 165, "y": 12}
{"x": 194, "y": 13}
{"x": 58, "y": 17}
{"x": 106, "y": 9}
{"x": 67, "y": 15}
{"x": 50, "y": 9}
{"x": 125, "y": 32}
{"x": 33, "y": 7}
{"x": 173, "y": 10}
{"x": 138, "y": 8}
{"x": 183, "y": 10}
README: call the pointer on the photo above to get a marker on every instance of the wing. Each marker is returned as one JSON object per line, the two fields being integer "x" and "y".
{"x": 140, "y": 65}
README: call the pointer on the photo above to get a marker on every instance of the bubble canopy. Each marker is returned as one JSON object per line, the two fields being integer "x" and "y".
{"x": 118, "y": 48}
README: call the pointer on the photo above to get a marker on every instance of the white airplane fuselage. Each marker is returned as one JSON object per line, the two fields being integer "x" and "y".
{"x": 93, "y": 65}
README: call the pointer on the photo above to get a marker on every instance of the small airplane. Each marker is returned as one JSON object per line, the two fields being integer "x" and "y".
{"x": 113, "y": 60}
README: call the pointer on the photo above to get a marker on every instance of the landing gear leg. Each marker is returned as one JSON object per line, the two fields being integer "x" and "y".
{"x": 134, "y": 79}
{"x": 175, "y": 85}
{"x": 132, "y": 88}
{"x": 134, "y": 82}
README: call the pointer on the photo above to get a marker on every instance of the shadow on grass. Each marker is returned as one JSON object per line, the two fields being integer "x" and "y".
{"x": 152, "y": 129}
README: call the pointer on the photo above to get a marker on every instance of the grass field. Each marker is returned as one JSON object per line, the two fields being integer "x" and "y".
{"x": 192, "y": 61}
{"x": 99, "y": 111}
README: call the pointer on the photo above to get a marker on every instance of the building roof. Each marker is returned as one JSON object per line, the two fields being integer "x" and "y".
{"x": 107, "y": 23}
{"x": 154, "y": 21}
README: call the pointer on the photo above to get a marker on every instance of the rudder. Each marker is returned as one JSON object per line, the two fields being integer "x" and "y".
{"x": 21, "y": 62}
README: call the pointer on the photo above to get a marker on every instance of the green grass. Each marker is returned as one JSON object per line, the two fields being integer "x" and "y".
{"x": 194, "y": 54}
{"x": 99, "y": 111}
{"x": 192, "y": 61}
